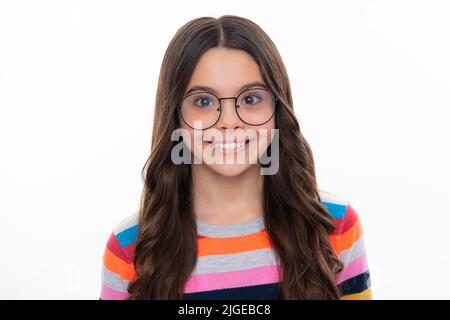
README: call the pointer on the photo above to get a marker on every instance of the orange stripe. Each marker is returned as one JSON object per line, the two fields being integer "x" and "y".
{"x": 210, "y": 246}
{"x": 346, "y": 240}
{"x": 117, "y": 265}
{"x": 364, "y": 295}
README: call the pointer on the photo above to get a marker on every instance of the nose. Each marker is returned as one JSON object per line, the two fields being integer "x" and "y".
{"x": 228, "y": 118}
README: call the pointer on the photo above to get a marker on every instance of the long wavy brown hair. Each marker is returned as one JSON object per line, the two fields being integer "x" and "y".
{"x": 297, "y": 223}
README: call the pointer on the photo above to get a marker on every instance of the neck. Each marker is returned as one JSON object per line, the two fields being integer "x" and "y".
{"x": 219, "y": 199}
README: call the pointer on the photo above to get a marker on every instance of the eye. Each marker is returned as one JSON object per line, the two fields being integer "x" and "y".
{"x": 252, "y": 99}
{"x": 205, "y": 101}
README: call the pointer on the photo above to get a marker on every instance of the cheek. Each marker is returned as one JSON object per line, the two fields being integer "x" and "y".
{"x": 194, "y": 142}
{"x": 265, "y": 136}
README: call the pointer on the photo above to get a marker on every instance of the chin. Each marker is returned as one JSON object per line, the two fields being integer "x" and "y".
{"x": 229, "y": 170}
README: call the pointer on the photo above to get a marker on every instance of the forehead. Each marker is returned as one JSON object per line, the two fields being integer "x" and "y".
{"x": 225, "y": 70}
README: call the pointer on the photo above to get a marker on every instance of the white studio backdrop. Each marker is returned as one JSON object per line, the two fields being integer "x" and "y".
{"x": 370, "y": 82}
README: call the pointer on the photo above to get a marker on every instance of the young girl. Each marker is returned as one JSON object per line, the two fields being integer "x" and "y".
{"x": 240, "y": 229}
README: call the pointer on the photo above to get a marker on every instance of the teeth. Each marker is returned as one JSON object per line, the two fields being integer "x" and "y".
{"x": 228, "y": 146}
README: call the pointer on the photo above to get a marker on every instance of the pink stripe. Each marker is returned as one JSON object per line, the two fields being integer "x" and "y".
{"x": 111, "y": 294}
{"x": 355, "y": 268}
{"x": 232, "y": 279}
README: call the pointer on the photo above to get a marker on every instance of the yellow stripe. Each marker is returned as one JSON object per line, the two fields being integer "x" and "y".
{"x": 364, "y": 295}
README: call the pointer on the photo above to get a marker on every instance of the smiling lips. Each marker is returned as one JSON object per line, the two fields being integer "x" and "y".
{"x": 228, "y": 146}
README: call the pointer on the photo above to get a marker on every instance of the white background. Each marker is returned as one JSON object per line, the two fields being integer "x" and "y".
{"x": 370, "y": 80}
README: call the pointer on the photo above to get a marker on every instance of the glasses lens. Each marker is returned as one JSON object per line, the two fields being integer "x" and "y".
{"x": 256, "y": 106}
{"x": 203, "y": 107}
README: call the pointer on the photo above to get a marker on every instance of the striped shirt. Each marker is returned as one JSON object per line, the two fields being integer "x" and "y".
{"x": 237, "y": 261}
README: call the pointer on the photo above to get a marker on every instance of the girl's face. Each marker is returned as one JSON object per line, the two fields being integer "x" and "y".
{"x": 231, "y": 146}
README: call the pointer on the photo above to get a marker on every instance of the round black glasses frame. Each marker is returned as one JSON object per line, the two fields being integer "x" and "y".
{"x": 236, "y": 106}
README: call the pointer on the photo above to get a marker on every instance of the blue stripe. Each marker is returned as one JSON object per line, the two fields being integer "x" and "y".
{"x": 259, "y": 292}
{"x": 336, "y": 210}
{"x": 127, "y": 236}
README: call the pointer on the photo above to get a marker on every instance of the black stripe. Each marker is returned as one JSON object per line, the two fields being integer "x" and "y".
{"x": 356, "y": 284}
{"x": 262, "y": 292}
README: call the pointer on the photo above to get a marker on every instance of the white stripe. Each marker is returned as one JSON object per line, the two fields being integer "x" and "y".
{"x": 332, "y": 198}
{"x": 353, "y": 253}
{"x": 126, "y": 223}
{"x": 235, "y": 261}
{"x": 113, "y": 280}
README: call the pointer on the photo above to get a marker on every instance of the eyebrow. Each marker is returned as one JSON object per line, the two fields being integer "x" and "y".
{"x": 243, "y": 88}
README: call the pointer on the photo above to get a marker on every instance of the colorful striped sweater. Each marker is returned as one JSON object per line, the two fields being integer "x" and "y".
{"x": 236, "y": 261}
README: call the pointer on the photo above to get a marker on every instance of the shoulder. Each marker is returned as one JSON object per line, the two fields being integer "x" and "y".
{"x": 348, "y": 231}
{"x": 344, "y": 215}
{"x": 126, "y": 229}
{"x": 347, "y": 239}
{"x": 122, "y": 239}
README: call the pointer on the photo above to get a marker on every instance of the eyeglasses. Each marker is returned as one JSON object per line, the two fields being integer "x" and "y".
{"x": 254, "y": 107}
